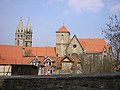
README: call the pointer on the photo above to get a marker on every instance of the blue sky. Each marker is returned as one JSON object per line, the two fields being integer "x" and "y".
{"x": 85, "y": 18}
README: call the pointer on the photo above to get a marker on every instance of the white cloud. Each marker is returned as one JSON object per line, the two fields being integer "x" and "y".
{"x": 115, "y": 9}
{"x": 85, "y": 5}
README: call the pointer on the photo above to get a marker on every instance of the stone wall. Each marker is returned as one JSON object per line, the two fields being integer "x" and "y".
{"x": 105, "y": 81}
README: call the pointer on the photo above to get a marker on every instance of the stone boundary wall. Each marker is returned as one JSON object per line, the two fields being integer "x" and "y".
{"x": 99, "y": 81}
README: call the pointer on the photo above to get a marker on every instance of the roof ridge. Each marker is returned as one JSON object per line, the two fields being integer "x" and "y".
{"x": 90, "y": 38}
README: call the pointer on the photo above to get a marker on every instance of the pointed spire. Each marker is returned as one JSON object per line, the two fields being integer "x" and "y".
{"x": 20, "y": 26}
{"x": 28, "y": 27}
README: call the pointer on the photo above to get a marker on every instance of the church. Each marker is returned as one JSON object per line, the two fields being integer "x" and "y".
{"x": 65, "y": 58}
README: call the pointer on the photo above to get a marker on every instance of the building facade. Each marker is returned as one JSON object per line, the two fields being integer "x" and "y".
{"x": 64, "y": 58}
{"x": 67, "y": 46}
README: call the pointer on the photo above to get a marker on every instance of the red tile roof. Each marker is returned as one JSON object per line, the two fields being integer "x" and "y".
{"x": 10, "y": 54}
{"x": 14, "y": 54}
{"x": 63, "y": 29}
{"x": 41, "y": 51}
{"x": 93, "y": 45}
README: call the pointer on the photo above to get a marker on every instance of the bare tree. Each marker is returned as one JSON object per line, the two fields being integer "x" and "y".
{"x": 112, "y": 34}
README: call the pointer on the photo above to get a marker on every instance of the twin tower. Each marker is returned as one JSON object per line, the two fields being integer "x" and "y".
{"x": 23, "y": 36}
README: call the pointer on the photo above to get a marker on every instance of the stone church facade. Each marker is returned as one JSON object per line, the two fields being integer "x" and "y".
{"x": 65, "y": 45}
{"x": 23, "y": 36}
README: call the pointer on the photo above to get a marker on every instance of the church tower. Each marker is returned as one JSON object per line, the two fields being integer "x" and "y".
{"x": 20, "y": 34}
{"x": 23, "y": 37}
{"x": 28, "y": 35}
{"x": 62, "y": 40}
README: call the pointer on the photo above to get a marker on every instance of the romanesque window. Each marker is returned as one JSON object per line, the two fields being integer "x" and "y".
{"x": 18, "y": 35}
{"x": 18, "y": 42}
{"x": 75, "y": 54}
{"x": 21, "y": 35}
{"x": 26, "y": 44}
{"x": 62, "y": 36}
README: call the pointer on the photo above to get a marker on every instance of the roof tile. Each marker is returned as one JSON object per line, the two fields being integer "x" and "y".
{"x": 63, "y": 29}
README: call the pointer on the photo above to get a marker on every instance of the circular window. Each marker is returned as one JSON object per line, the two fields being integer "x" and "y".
{"x": 74, "y": 45}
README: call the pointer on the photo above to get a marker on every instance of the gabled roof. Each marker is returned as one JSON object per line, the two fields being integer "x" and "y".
{"x": 63, "y": 29}
{"x": 71, "y": 41}
{"x": 70, "y": 60}
{"x": 56, "y": 60}
{"x": 93, "y": 44}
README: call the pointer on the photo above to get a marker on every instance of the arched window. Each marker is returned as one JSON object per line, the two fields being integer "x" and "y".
{"x": 18, "y": 42}
{"x": 26, "y": 44}
{"x": 75, "y": 55}
{"x": 18, "y": 35}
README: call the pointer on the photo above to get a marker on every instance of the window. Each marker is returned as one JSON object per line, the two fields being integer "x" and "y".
{"x": 50, "y": 63}
{"x": 35, "y": 62}
{"x": 75, "y": 55}
{"x": 51, "y": 71}
{"x": 26, "y": 44}
{"x": 74, "y": 46}
{"x": 18, "y": 35}
{"x": 18, "y": 30}
{"x": 21, "y": 35}
{"x": 104, "y": 55}
{"x": 62, "y": 36}
{"x": 18, "y": 42}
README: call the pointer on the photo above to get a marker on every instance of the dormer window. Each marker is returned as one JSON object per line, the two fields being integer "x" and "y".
{"x": 48, "y": 61}
{"x": 35, "y": 62}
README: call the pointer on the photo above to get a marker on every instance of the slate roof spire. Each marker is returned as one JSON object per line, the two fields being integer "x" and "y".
{"x": 28, "y": 26}
{"x": 20, "y": 26}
